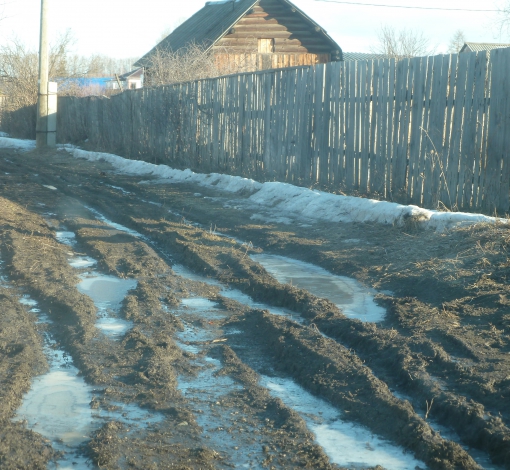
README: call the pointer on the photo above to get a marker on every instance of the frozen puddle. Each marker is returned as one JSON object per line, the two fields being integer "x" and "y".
{"x": 206, "y": 390}
{"x": 107, "y": 292}
{"x": 57, "y": 405}
{"x": 67, "y": 238}
{"x": 80, "y": 262}
{"x": 234, "y": 294}
{"x": 350, "y": 296}
{"x": 345, "y": 443}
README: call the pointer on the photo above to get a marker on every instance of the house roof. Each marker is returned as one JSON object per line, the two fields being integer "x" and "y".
{"x": 82, "y": 82}
{"x": 131, "y": 74}
{"x": 212, "y": 22}
{"x": 347, "y": 56}
{"x": 481, "y": 46}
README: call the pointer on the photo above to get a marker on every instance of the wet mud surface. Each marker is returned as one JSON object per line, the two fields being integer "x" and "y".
{"x": 185, "y": 328}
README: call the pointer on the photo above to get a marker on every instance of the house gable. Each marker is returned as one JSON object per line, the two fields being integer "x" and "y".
{"x": 250, "y": 27}
{"x": 275, "y": 26}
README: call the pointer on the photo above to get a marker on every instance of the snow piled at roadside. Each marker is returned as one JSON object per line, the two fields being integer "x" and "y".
{"x": 284, "y": 199}
{"x": 232, "y": 184}
{"x": 289, "y": 199}
{"x": 8, "y": 143}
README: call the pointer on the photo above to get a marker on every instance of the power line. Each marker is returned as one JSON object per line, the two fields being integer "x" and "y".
{"x": 404, "y": 6}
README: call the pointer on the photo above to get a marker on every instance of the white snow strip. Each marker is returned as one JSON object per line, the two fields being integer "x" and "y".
{"x": 285, "y": 199}
{"x": 8, "y": 143}
{"x": 232, "y": 184}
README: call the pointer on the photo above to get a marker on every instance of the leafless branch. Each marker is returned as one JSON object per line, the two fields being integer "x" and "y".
{"x": 192, "y": 63}
{"x": 402, "y": 44}
{"x": 456, "y": 42}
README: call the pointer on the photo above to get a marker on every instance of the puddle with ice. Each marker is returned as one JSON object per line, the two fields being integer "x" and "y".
{"x": 79, "y": 262}
{"x": 107, "y": 292}
{"x": 349, "y": 295}
{"x": 345, "y": 443}
{"x": 234, "y": 294}
{"x": 67, "y": 238}
{"x": 206, "y": 391}
{"x": 58, "y": 404}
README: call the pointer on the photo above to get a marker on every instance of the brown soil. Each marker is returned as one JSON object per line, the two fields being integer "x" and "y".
{"x": 445, "y": 342}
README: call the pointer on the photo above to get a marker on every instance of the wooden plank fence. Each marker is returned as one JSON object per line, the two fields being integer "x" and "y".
{"x": 430, "y": 131}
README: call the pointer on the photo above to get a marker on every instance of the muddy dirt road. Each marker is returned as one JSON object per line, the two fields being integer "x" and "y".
{"x": 148, "y": 325}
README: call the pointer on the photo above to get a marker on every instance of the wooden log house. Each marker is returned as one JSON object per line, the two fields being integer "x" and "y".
{"x": 251, "y": 35}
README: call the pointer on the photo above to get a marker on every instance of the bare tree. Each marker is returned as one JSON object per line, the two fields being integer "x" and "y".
{"x": 19, "y": 66}
{"x": 503, "y": 18}
{"x": 191, "y": 63}
{"x": 456, "y": 42}
{"x": 402, "y": 44}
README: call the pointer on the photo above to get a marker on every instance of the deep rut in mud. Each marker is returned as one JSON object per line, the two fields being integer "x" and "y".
{"x": 198, "y": 350}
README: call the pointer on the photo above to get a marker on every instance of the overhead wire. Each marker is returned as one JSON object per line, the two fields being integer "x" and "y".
{"x": 407, "y": 7}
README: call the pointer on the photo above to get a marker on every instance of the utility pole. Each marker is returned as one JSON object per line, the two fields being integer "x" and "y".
{"x": 46, "y": 102}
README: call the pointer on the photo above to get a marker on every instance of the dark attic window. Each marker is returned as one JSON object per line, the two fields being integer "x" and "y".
{"x": 266, "y": 46}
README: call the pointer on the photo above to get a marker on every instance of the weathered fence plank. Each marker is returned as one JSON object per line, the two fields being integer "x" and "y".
{"x": 423, "y": 130}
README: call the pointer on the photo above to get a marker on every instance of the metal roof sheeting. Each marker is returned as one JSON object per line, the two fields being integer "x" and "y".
{"x": 482, "y": 46}
{"x": 363, "y": 56}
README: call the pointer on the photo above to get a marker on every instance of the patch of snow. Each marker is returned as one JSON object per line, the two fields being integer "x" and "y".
{"x": 8, "y": 143}
{"x": 284, "y": 198}
{"x": 228, "y": 183}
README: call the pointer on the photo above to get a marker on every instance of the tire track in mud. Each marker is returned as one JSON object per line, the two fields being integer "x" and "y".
{"x": 384, "y": 349}
{"x": 381, "y": 348}
{"x": 451, "y": 453}
{"x": 148, "y": 352}
{"x": 21, "y": 359}
{"x": 467, "y": 418}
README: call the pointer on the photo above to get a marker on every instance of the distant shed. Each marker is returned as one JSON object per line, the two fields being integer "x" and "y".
{"x": 358, "y": 56}
{"x": 254, "y": 34}
{"x": 482, "y": 46}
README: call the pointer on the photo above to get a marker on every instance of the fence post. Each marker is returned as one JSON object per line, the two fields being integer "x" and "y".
{"x": 498, "y": 158}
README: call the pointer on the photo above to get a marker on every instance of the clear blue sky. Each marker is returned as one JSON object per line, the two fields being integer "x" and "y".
{"x": 130, "y": 28}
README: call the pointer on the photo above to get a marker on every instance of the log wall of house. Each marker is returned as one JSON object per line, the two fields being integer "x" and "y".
{"x": 296, "y": 42}
{"x": 244, "y": 62}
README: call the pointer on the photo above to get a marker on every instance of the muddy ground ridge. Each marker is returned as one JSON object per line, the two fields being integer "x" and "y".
{"x": 445, "y": 336}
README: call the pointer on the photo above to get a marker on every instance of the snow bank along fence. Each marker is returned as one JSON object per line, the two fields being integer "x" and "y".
{"x": 425, "y": 130}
